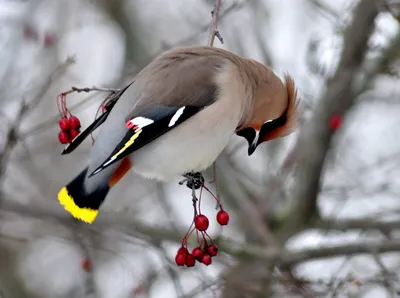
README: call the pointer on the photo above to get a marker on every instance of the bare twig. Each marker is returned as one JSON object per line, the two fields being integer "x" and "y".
{"x": 25, "y": 107}
{"x": 87, "y": 90}
{"x": 186, "y": 40}
{"x": 269, "y": 254}
{"x": 288, "y": 259}
{"x": 389, "y": 279}
{"x": 214, "y": 32}
{"x": 214, "y": 24}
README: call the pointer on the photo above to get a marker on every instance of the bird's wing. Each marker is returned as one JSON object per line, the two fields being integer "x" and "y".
{"x": 176, "y": 90}
{"x": 95, "y": 124}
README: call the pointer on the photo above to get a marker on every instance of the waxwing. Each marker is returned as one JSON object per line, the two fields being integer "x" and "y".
{"x": 176, "y": 117}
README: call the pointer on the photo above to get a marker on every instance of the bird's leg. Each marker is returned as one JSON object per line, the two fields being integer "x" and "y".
{"x": 194, "y": 200}
{"x": 193, "y": 181}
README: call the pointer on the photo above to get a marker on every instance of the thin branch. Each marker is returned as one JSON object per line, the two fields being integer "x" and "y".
{"x": 389, "y": 279}
{"x": 87, "y": 90}
{"x": 214, "y": 24}
{"x": 214, "y": 32}
{"x": 269, "y": 254}
{"x": 358, "y": 224}
{"x": 291, "y": 258}
{"x": 12, "y": 135}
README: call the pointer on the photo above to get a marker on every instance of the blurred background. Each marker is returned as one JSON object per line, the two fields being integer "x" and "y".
{"x": 316, "y": 214}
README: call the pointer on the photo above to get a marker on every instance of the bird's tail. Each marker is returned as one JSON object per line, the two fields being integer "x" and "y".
{"x": 81, "y": 204}
{"x": 84, "y": 205}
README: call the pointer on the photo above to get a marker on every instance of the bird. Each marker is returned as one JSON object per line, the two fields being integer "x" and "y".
{"x": 175, "y": 118}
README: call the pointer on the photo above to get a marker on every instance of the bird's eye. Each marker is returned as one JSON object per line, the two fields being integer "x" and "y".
{"x": 270, "y": 125}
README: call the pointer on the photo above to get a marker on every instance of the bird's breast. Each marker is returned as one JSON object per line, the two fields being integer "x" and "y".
{"x": 192, "y": 146}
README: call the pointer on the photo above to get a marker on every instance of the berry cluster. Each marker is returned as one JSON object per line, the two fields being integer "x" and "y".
{"x": 32, "y": 33}
{"x": 206, "y": 248}
{"x": 70, "y": 128}
{"x": 69, "y": 124}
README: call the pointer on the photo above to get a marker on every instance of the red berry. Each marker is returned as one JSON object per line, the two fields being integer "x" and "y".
{"x": 206, "y": 260}
{"x": 182, "y": 250}
{"x": 86, "y": 265}
{"x": 335, "y": 122}
{"x": 63, "y": 137}
{"x": 30, "y": 33}
{"x": 180, "y": 259}
{"x": 64, "y": 124}
{"x": 201, "y": 222}
{"x": 74, "y": 122}
{"x": 49, "y": 40}
{"x": 212, "y": 250}
{"x": 198, "y": 253}
{"x": 73, "y": 133}
{"x": 190, "y": 261}
{"x": 223, "y": 217}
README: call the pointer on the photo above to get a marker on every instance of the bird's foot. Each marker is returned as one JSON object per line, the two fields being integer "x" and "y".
{"x": 193, "y": 180}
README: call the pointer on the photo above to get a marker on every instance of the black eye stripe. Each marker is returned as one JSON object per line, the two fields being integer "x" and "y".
{"x": 272, "y": 125}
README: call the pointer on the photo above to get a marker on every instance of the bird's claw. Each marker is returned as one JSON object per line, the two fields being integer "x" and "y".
{"x": 193, "y": 180}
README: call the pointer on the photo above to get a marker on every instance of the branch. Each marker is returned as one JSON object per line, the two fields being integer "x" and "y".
{"x": 358, "y": 224}
{"x": 12, "y": 135}
{"x": 291, "y": 258}
{"x": 315, "y": 139}
{"x": 271, "y": 254}
{"x": 214, "y": 24}
{"x": 214, "y": 32}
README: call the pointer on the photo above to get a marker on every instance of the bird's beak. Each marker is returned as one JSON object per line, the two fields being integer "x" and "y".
{"x": 253, "y": 146}
{"x": 252, "y": 137}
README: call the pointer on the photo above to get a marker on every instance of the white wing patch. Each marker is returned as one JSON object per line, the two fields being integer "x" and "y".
{"x": 176, "y": 117}
{"x": 141, "y": 122}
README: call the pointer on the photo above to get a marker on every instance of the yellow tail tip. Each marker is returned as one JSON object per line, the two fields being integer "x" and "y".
{"x": 84, "y": 214}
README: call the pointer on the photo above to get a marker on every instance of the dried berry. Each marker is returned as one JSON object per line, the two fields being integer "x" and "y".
{"x": 223, "y": 217}
{"x": 201, "y": 222}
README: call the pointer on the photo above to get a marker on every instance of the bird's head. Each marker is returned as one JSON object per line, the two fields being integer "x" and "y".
{"x": 272, "y": 111}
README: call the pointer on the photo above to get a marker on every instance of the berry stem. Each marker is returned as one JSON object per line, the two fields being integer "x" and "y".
{"x": 205, "y": 233}
{"x": 218, "y": 201}
{"x": 200, "y": 196}
{"x": 216, "y": 181}
{"x": 184, "y": 242}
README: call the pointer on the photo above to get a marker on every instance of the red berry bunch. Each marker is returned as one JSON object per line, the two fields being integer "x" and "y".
{"x": 69, "y": 124}
{"x": 70, "y": 128}
{"x": 206, "y": 248}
